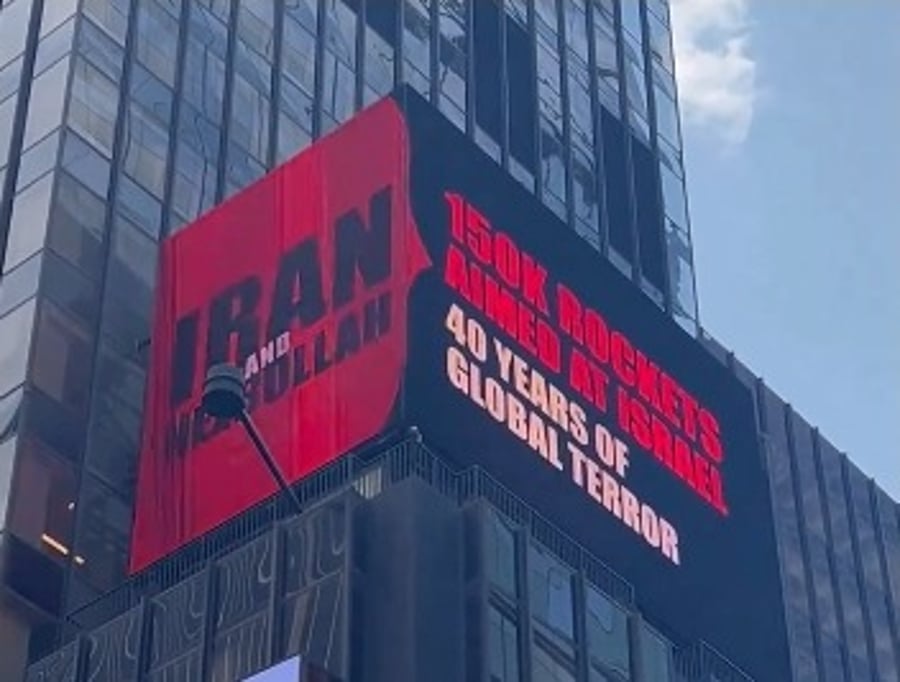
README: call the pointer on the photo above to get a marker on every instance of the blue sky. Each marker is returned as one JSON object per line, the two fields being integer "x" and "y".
{"x": 792, "y": 144}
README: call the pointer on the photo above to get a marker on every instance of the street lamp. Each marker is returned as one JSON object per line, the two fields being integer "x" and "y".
{"x": 224, "y": 397}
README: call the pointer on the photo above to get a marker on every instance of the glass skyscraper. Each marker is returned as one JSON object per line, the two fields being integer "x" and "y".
{"x": 122, "y": 121}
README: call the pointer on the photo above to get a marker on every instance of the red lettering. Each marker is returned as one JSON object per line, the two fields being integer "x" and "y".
{"x": 478, "y": 233}
{"x": 506, "y": 259}
{"x": 526, "y": 329}
{"x": 647, "y": 375}
{"x": 456, "y": 274}
{"x": 662, "y": 441}
{"x": 716, "y": 493}
{"x": 569, "y": 313}
{"x": 457, "y": 210}
{"x": 580, "y": 374}
{"x": 689, "y": 409}
{"x": 548, "y": 346}
{"x": 534, "y": 283}
{"x": 622, "y": 358}
{"x": 683, "y": 462}
{"x": 596, "y": 335}
{"x": 667, "y": 399}
{"x": 639, "y": 424}
{"x": 709, "y": 436}
{"x": 701, "y": 476}
{"x": 601, "y": 386}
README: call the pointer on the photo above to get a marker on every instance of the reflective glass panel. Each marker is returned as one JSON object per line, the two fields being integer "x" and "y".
{"x": 15, "y": 341}
{"x": 607, "y": 632}
{"x": 93, "y": 106}
{"x": 28, "y": 224}
{"x": 19, "y": 284}
{"x": 45, "y": 105}
{"x": 550, "y": 588}
{"x": 14, "y": 29}
{"x": 503, "y": 661}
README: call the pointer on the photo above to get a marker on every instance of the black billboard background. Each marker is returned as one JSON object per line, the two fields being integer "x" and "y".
{"x": 727, "y": 589}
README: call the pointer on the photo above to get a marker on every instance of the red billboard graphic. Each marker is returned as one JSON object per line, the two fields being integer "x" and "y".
{"x": 302, "y": 279}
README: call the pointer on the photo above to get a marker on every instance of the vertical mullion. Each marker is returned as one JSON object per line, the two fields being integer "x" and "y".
{"x": 275, "y": 88}
{"x": 599, "y": 175}
{"x": 563, "y": 49}
{"x": 184, "y": 24}
{"x": 504, "y": 88}
{"x": 318, "y": 82}
{"x": 225, "y": 129}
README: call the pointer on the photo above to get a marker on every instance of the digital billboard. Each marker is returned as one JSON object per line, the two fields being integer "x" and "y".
{"x": 393, "y": 275}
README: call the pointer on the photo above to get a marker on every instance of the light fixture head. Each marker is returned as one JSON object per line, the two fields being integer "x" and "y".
{"x": 223, "y": 392}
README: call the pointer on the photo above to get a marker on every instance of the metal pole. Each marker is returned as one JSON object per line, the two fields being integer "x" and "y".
{"x": 269, "y": 460}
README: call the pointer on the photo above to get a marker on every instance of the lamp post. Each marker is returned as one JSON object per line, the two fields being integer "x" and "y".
{"x": 224, "y": 397}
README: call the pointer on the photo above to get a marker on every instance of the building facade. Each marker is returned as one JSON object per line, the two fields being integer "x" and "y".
{"x": 123, "y": 120}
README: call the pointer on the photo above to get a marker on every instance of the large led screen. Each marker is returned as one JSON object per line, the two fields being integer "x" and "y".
{"x": 393, "y": 275}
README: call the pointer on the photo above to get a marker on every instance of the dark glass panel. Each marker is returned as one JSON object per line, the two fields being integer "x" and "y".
{"x": 42, "y": 505}
{"x": 500, "y": 545}
{"x": 503, "y": 649}
{"x": 77, "y": 226}
{"x": 488, "y": 66}
{"x": 550, "y": 587}
{"x": 617, "y": 190}
{"x": 522, "y": 122}
{"x": 101, "y": 540}
{"x": 649, "y": 214}
{"x": 179, "y": 615}
{"x": 15, "y": 342}
{"x": 607, "y": 633}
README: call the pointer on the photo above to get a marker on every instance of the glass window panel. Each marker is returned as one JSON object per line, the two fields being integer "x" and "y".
{"x": 19, "y": 284}
{"x": 28, "y": 223}
{"x": 666, "y": 116}
{"x": 545, "y": 13}
{"x": 501, "y": 553}
{"x": 635, "y": 79}
{"x": 291, "y": 138}
{"x": 54, "y": 46}
{"x": 503, "y": 656}
{"x": 93, "y": 106}
{"x": 550, "y": 587}
{"x": 607, "y": 633}
{"x": 297, "y": 104}
{"x": 452, "y": 75}
{"x": 255, "y": 69}
{"x": 673, "y": 195}
{"x": 204, "y": 66}
{"x": 139, "y": 206}
{"x": 298, "y": 55}
{"x": 14, "y": 29}
{"x": 417, "y": 33}
{"x": 256, "y": 25}
{"x": 37, "y": 160}
{"x": 43, "y": 500}
{"x": 250, "y": 118}
{"x": 70, "y": 289}
{"x": 194, "y": 186}
{"x": 681, "y": 269}
{"x": 7, "y": 460}
{"x": 15, "y": 339}
{"x": 580, "y": 104}
{"x": 607, "y": 66}
{"x": 110, "y": 15}
{"x": 146, "y": 149}
{"x": 77, "y": 226}
{"x": 860, "y": 488}
{"x": 340, "y": 31}
{"x": 587, "y": 207}
{"x": 339, "y": 88}
{"x": 9, "y": 80}
{"x": 99, "y": 49}
{"x": 631, "y": 17}
{"x": 656, "y": 655}
{"x": 10, "y": 407}
{"x": 157, "y": 40}
{"x": 84, "y": 163}
{"x": 576, "y": 28}
{"x": 7, "y": 117}
{"x": 379, "y": 63}
{"x": 102, "y": 535}
{"x": 303, "y": 11}
{"x": 242, "y": 169}
{"x": 62, "y": 352}
{"x": 660, "y": 42}
{"x": 45, "y": 105}
{"x": 554, "y": 169}
{"x": 550, "y": 668}
{"x": 55, "y": 13}
{"x": 889, "y": 520}
{"x": 452, "y": 22}
{"x": 154, "y": 96}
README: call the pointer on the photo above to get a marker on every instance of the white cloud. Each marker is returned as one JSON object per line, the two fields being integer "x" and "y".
{"x": 716, "y": 72}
